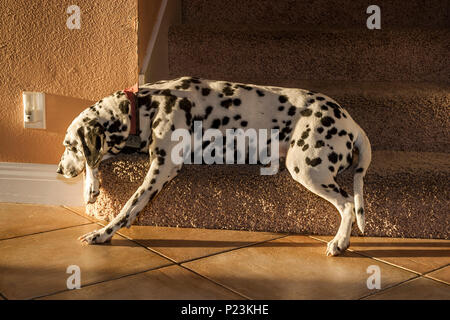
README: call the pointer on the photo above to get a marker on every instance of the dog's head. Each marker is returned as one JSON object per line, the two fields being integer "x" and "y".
{"x": 84, "y": 144}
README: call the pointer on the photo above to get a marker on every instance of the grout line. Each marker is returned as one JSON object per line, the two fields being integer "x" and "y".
{"x": 85, "y": 216}
{"x": 390, "y": 287}
{"x": 50, "y": 230}
{"x": 209, "y": 255}
{"x": 217, "y": 283}
{"x": 233, "y": 249}
{"x": 103, "y": 281}
{"x": 189, "y": 260}
{"x": 383, "y": 261}
{"x": 145, "y": 247}
{"x": 180, "y": 264}
{"x": 426, "y": 275}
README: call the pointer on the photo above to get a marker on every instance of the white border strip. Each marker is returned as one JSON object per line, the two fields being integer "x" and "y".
{"x": 153, "y": 37}
{"x": 38, "y": 183}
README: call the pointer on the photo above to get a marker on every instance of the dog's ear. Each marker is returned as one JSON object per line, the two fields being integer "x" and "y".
{"x": 92, "y": 139}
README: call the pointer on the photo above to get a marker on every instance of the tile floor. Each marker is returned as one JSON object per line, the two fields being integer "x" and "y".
{"x": 38, "y": 243}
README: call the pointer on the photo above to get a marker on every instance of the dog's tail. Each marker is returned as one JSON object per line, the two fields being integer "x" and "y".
{"x": 364, "y": 158}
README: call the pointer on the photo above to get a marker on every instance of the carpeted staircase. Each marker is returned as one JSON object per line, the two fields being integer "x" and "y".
{"x": 395, "y": 82}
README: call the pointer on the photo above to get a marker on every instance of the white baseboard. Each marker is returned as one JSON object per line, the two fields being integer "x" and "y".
{"x": 38, "y": 183}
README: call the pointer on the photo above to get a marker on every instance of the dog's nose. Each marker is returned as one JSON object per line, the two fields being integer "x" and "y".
{"x": 60, "y": 171}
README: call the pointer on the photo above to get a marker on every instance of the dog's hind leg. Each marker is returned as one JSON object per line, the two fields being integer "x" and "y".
{"x": 160, "y": 173}
{"x": 322, "y": 183}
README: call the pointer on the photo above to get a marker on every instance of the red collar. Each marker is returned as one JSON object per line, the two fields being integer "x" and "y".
{"x": 134, "y": 120}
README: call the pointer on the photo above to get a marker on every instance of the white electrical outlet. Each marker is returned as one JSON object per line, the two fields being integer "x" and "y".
{"x": 33, "y": 110}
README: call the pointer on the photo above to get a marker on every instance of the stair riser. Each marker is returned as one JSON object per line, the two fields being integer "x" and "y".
{"x": 397, "y": 204}
{"x": 320, "y": 13}
{"x": 404, "y": 125}
{"x": 316, "y": 55}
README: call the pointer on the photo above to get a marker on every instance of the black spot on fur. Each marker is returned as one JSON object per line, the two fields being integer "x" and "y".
{"x": 319, "y": 129}
{"x": 237, "y": 117}
{"x": 305, "y": 147}
{"x": 186, "y": 105}
{"x": 333, "y": 157}
{"x": 228, "y": 91}
{"x": 332, "y": 105}
{"x": 300, "y": 142}
{"x": 337, "y": 113}
{"x": 206, "y": 91}
{"x": 226, "y": 103}
{"x": 359, "y": 170}
{"x": 215, "y": 124}
{"x": 260, "y": 93}
{"x": 156, "y": 123}
{"x": 297, "y": 170}
{"x": 243, "y": 86}
{"x": 318, "y": 114}
{"x": 291, "y": 111}
{"x": 283, "y": 99}
{"x": 237, "y": 102}
{"x": 343, "y": 193}
{"x": 225, "y": 120}
{"x": 208, "y": 111}
{"x": 327, "y": 121}
{"x": 280, "y": 108}
{"x": 244, "y": 123}
{"x": 319, "y": 144}
{"x": 330, "y": 133}
{"x": 314, "y": 162}
{"x": 124, "y": 106}
{"x": 306, "y": 112}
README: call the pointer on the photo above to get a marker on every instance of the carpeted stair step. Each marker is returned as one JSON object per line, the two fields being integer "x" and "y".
{"x": 407, "y": 194}
{"x": 311, "y": 54}
{"x": 328, "y": 13}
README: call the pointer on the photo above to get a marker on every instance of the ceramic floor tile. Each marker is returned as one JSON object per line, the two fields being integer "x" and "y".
{"x": 22, "y": 219}
{"x": 172, "y": 283}
{"x": 418, "y": 255}
{"x": 441, "y": 274}
{"x": 417, "y": 289}
{"x": 36, "y": 265}
{"x": 182, "y": 244}
{"x": 82, "y": 212}
{"x": 294, "y": 267}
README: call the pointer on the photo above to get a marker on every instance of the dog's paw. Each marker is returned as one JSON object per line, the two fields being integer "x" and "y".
{"x": 90, "y": 195}
{"x": 97, "y": 236}
{"x": 337, "y": 246}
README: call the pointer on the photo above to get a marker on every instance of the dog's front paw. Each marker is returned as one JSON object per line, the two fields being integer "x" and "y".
{"x": 90, "y": 195}
{"x": 337, "y": 246}
{"x": 97, "y": 236}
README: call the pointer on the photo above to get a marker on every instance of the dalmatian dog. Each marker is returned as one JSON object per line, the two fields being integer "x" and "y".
{"x": 316, "y": 136}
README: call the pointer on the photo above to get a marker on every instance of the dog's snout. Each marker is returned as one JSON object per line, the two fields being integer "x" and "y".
{"x": 60, "y": 170}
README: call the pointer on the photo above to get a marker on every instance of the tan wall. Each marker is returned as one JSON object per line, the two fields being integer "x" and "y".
{"x": 73, "y": 67}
